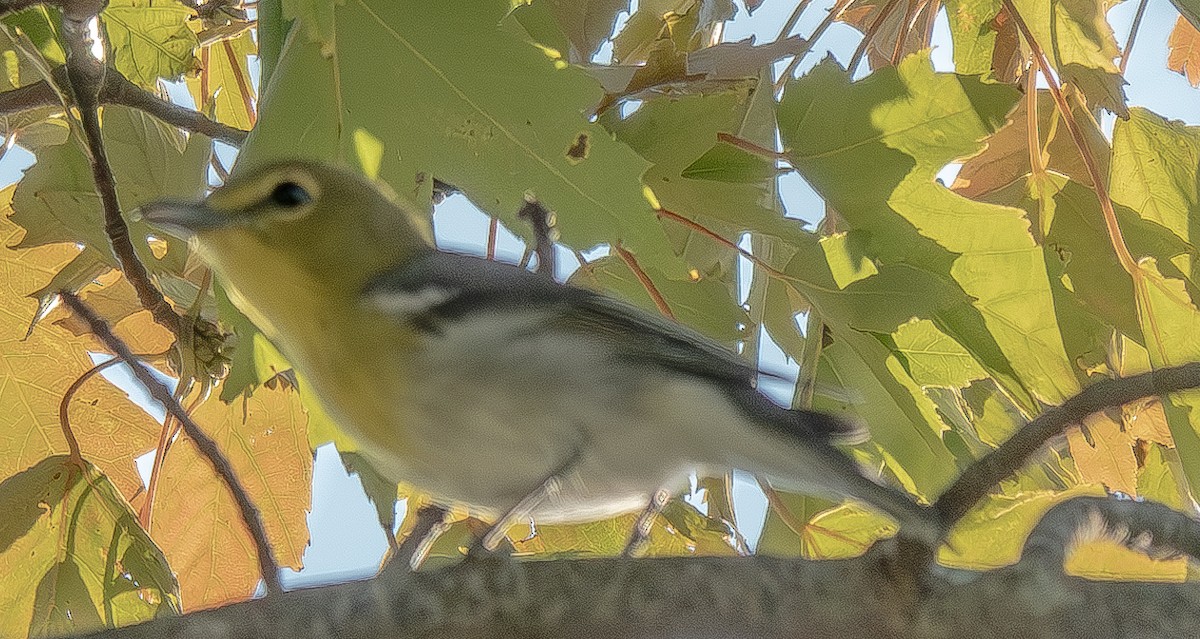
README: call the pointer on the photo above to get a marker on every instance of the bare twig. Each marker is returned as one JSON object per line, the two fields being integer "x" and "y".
{"x": 205, "y": 444}
{"x": 981, "y": 476}
{"x": 809, "y": 44}
{"x": 1133, "y": 29}
{"x": 117, "y": 89}
{"x": 793, "y": 19}
{"x": 542, "y": 222}
{"x": 630, "y": 260}
{"x": 84, "y": 77}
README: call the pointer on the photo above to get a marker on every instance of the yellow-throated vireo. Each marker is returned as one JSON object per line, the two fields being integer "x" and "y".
{"x": 480, "y": 381}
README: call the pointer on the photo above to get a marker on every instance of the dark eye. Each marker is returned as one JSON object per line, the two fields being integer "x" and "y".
{"x": 290, "y": 194}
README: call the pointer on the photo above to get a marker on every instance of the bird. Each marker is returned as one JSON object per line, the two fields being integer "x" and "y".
{"x": 483, "y": 383}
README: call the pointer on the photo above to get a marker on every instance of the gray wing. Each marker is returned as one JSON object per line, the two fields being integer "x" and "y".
{"x": 439, "y": 288}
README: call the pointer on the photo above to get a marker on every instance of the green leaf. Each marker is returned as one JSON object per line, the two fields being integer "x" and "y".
{"x": 44, "y": 29}
{"x": 873, "y": 388}
{"x": 727, "y": 163}
{"x": 703, "y": 304}
{"x": 57, "y": 201}
{"x": 1159, "y": 164}
{"x": 933, "y": 358}
{"x": 225, "y": 74}
{"x": 905, "y": 124}
{"x": 70, "y": 532}
{"x": 1081, "y": 47}
{"x": 150, "y": 39}
{"x": 1171, "y": 325}
{"x": 467, "y": 104}
{"x": 971, "y": 34}
{"x": 586, "y": 23}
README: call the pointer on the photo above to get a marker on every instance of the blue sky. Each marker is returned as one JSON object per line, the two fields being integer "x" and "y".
{"x": 346, "y": 541}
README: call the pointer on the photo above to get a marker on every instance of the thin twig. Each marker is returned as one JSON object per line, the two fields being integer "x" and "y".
{"x": 631, "y": 261}
{"x": 980, "y": 477}
{"x": 1110, "y": 216}
{"x": 793, "y": 20}
{"x": 1133, "y": 29}
{"x": 493, "y": 232}
{"x": 809, "y": 44}
{"x": 205, "y": 444}
{"x": 750, "y": 147}
{"x": 869, "y": 36}
{"x": 117, "y": 89}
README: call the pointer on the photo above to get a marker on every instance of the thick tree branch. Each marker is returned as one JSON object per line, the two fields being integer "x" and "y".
{"x": 205, "y": 444}
{"x": 697, "y": 597}
{"x": 979, "y": 479}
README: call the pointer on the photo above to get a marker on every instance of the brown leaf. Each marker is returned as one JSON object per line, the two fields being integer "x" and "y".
{"x": 1147, "y": 421}
{"x": 1183, "y": 55}
{"x": 897, "y": 25}
{"x": 1006, "y": 158}
{"x": 195, "y": 520}
{"x": 36, "y": 372}
{"x": 1007, "y": 60}
{"x": 1108, "y": 457}
{"x": 586, "y": 23}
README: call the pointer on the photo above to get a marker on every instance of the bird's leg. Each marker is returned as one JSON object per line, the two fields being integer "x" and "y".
{"x": 641, "y": 528}
{"x": 549, "y": 486}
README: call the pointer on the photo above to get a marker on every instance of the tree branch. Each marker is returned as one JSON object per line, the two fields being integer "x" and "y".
{"x": 117, "y": 89}
{"x": 31, "y": 96}
{"x": 977, "y": 480}
{"x": 696, "y": 597}
{"x": 205, "y": 444}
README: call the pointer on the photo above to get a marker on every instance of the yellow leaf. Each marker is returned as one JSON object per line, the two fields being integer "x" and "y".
{"x": 1183, "y": 50}
{"x": 1105, "y": 455}
{"x": 36, "y": 372}
{"x": 195, "y": 520}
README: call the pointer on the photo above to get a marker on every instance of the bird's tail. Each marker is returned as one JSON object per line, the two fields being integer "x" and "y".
{"x": 814, "y": 465}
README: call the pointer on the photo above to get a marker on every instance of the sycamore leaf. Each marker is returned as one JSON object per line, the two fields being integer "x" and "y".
{"x": 110, "y": 428}
{"x": 586, "y": 23}
{"x": 682, "y": 22}
{"x": 73, "y": 557}
{"x": 224, "y": 83}
{"x": 488, "y": 128}
{"x": 57, "y": 201}
{"x": 195, "y": 520}
{"x": 898, "y": 26}
{"x": 1103, "y": 453}
{"x": 727, "y": 163}
{"x": 1171, "y": 325}
{"x": 906, "y": 124}
{"x": 1006, "y": 157}
{"x": 150, "y": 39}
{"x": 1183, "y": 50}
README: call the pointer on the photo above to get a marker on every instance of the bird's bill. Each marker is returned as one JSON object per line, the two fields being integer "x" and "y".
{"x": 183, "y": 218}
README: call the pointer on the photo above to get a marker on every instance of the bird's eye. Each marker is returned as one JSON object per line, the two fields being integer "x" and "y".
{"x": 289, "y": 195}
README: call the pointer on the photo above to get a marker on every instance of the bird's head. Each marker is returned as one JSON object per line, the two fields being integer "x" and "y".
{"x": 325, "y": 221}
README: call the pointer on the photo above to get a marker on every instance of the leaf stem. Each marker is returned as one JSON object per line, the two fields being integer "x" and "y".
{"x": 1098, "y": 184}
